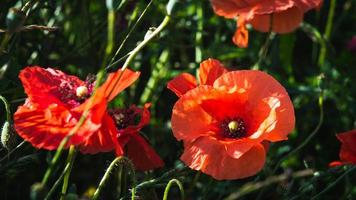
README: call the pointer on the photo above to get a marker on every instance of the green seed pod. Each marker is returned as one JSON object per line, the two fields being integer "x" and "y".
{"x": 15, "y": 19}
{"x": 8, "y": 136}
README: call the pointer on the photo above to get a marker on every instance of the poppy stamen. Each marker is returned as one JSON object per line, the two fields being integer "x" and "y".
{"x": 82, "y": 91}
{"x": 234, "y": 128}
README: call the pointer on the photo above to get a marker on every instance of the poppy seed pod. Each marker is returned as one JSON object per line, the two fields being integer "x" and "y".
{"x": 15, "y": 19}
{"x": 8, "y": 137}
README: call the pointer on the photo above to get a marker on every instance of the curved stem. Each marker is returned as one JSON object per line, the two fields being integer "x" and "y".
{"x": 70, "y": 161}
{"x": 138, "y": 48}
{"x": 334, "y": 183}
{"x": 169, "y": 185}
{"x": 118, "y": 161}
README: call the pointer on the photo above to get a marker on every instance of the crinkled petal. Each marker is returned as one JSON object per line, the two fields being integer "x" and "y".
{"x": 142, "y": 154}
{"x": 42, "y": 85}
{"x": 102, "y": 140}
{"x": 182, "y": 84}
{"x": 261, "y": 90}
{"x": 210, "y": 70}
{"x": 189, "y": 120}
{"x": 209, "y": 156}
{"x": 283, "y": 22}
{"x": 45, "y": 127}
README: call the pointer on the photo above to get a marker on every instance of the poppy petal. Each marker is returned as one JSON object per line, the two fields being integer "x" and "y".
{"x": 189, "y": 119}
{"x": 262, "y": 89}
{"x": 283, "y": 22}
{"x": 45, "y": 127}
{"x": 210, "y": 70}
{"x": 348, "y": 147}
{"x": 240, "y": 37}
{"x": 182, "y": 83}
{"x": 117, "y": 82}
{"x": 41, "y": 85}
{"x": 142, "y": 155}
{"x": 102, "y": 140}
{"x": 208, "y": 155}
{"x": 227, "y": 8}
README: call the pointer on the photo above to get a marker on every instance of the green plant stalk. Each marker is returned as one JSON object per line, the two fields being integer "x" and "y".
{"x": 129, "y": 34}
{"x": 333, "y": 183}
{"x": 70, "y": 162}
{"x": 264, "y": 49}
{"x": 118, "y": 161}
{"x": 100, "y": 76}
{"x": 306, "y": 141}
{"x": 327, "y": 34}
{"x": 7, "y": 108}
{"x": 159, "y": 71}
{"x": 198, "y": 34}
{"x": 168, "y": 187}
{"x": 138, "y": 48}
{"x": 56, "y": 184}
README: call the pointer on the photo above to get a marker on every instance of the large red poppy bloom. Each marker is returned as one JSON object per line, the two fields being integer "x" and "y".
{"x": 56, "y": 102}
{"x": 224, "y": 126}
{"x": 286, "y": 15}
{"x": 348, "y": 148}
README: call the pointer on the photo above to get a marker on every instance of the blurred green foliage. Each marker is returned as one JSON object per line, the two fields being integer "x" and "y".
{"x": 194, "y": 34}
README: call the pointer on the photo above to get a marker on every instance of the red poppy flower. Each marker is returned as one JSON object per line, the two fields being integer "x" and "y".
{"x": 286, "y": 15}
{"x": 129, "y": 121}
{"x": 225, "y": 126}
{"x": 209, "y": 71}
{"x": 56, "y": 102}
{"x": 348, "y": 148}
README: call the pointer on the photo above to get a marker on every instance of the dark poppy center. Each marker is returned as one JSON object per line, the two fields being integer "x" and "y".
{"x": 74, "y": 95}
{"x": 233, "y": 128}
{"x": 123, "y": 117}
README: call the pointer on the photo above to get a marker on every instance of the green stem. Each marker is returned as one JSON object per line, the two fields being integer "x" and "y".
{"x": 59, "y": 180}
{"x": 100, "y": 76}
{"x": 129, "y": 33}
{"x": 70, "y": 161}
{"x": 334, "y": 183}
{"x": 169, "y": 185}
{"x": 118, "y": 161}
{"x": 198, "y": 34}
{"x": 327, "y": 34}
{"x": 151, "y": 182}
{"x": 264, "y": 49}
{"x": 138, "y": 48}
{"x": 306, "y": 141}
{"x": 7, "y": 108}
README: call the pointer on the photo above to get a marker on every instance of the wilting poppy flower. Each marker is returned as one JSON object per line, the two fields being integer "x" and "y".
{"x": 209, "y": 71}
{"x": 280, "y": 16}
{"x": 348, "y": 148}
{"x": 225, "y": 126}
{"x": 56, "y": 102}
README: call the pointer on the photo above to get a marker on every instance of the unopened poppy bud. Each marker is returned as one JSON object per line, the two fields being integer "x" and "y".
{"x": 8, "y": 136}
{"x": 81, "y": 91}
{"x": 15, "y": 19}
{"x": 38, "y": 191}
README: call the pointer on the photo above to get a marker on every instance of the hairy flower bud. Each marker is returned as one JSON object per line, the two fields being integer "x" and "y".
{"x": 8, "y": 136}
